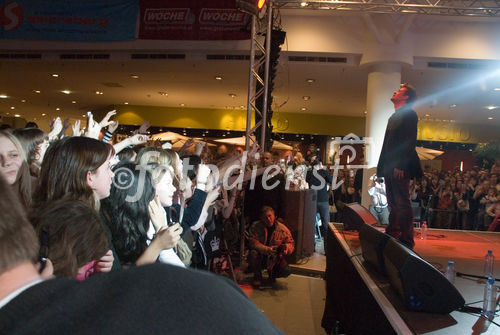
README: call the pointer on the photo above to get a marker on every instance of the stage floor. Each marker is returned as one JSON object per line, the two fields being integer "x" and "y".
{"x": 467, "y": 249}
{"x": 314, "y": 265}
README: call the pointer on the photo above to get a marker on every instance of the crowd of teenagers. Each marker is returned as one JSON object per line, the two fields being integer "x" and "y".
{"x": 95, "y": 208}
{"x": 98, "y": 207}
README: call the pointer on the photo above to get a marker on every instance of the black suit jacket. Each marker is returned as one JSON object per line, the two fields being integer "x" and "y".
{"x": 398, "y": 150}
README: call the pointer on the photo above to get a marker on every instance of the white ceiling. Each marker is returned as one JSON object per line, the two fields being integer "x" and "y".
{"x": 338, "y": 89}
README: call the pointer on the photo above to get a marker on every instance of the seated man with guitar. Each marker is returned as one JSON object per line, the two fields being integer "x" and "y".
{"x": 270, "y": 241}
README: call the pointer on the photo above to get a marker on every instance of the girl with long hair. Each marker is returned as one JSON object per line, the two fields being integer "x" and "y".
{"x": 14, "y": 167}
{"x": 35, "y": 143}
{"x": 136, "y": 219}
{"x": 74, "y": 237}
{"x": 186, "y": 201}
{"x": 78, "y": 168}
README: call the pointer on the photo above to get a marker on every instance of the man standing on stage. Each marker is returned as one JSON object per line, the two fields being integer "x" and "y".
{"x": 399, "y": 162}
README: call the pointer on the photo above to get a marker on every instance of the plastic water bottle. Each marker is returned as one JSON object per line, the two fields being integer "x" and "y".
{"x": 490, "y": 297}
{"x": 450, "y": 272}
{"x": 423, "y": 231}
{"x": 489, "y": 259}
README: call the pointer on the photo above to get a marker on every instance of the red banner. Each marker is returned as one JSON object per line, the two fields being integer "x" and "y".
{"x": 193, "y": 20}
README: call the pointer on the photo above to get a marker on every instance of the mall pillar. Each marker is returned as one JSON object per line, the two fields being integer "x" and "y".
{"x": 383, "y": 80}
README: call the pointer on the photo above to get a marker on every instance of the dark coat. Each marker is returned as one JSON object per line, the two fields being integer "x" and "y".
{"x": 398, "y": 150}
{"x": 149, "y": 299}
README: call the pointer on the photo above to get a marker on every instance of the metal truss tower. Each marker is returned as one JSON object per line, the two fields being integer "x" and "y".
{"x": 259, "y": 55}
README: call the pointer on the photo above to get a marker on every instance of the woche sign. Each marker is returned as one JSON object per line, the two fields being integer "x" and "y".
{"x": 193, "y": 20}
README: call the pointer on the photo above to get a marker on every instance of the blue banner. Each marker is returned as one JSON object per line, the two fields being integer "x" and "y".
{"x": 69, "y": 20}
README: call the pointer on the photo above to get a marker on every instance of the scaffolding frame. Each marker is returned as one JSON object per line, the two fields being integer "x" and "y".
{"x": 259, "y": 28}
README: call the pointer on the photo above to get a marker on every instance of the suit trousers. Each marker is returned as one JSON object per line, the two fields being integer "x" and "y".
{"x": 401, "y": 214}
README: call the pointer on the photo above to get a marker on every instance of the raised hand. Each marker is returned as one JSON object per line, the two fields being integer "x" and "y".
{"x": 157, "y": 214}
{"x": 212, "y": 197}
{"x": 76, "y": 128}
{"x": 113, "y": 126}
{"x": 138, "y": 139}
{"x": 106, "y": 122}
{"x": 169, "y": 236}
{"x": 55, "y": 128}
{"x": 203, "y": 173}
{"x": 143, "y": 128}
{"x": 93, "y": 127}
{"x": 253, "y": 154}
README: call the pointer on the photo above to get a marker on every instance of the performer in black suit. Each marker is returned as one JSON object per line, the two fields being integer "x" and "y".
{"x": 399, "y": 162}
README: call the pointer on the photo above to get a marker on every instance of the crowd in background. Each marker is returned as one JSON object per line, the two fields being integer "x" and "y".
{"x": 103, "y": 206}
{"x": 457, "y": 199}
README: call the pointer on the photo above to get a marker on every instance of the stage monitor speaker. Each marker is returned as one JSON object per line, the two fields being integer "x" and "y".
{"x": 355, "y": 215}
{"x": 373, "y": 242}
{"x": 422, "y": 287}
{"x": 298, "y": 209}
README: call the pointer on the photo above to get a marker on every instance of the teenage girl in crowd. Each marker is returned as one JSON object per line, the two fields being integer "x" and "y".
{"x": 73, "y": 237}
{"x": 136, "y": 218}
{"x": 77, "y": 168}
{"x": 35, "y": 143}
{"x": 14, "y": 167}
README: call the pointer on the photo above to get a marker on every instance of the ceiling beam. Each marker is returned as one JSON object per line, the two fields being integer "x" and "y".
{"x": 486, "y": 8}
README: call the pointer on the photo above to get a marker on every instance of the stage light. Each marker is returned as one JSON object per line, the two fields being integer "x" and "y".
{"x": 252, "y": 7}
